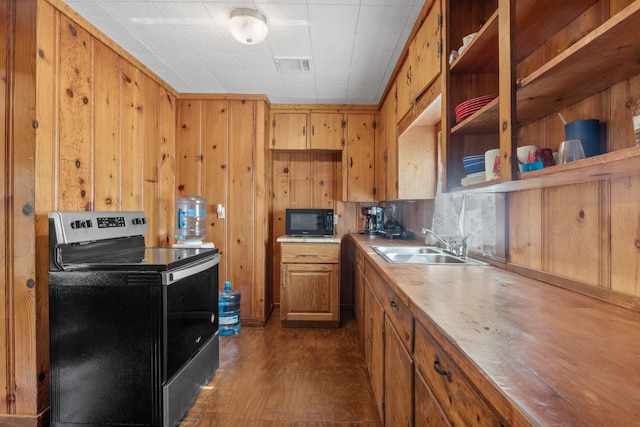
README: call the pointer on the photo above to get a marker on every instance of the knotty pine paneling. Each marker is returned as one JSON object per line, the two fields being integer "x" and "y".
{"x": 5, "y": 260}
{"x": 85, "y": 128}
{"x": 220, "y": 157}
{"x": 525, "y": 231}
{"x": 75, "y": 116}
{"x": 625, "y": 236}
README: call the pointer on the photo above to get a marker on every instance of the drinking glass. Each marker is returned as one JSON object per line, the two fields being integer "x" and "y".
{"x": 570, "y": 151}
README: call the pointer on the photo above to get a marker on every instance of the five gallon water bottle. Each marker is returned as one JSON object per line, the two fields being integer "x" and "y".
{"x": 229, "y": 310}
{"x": 191, "y": 219}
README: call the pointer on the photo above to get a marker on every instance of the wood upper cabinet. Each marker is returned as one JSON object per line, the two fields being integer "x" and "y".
{"x": 403, "y": 85}
{"x": 310, "y": 285}
{"x": 327, "y": 131}
{"x": 305, "y": 130}
{"x": 358, "y": 159}
{"x": 427, "y": 50}
{"x": 386, "y": 164}
{"x": 422, "y": 64}
{"x": 289, "y": 131}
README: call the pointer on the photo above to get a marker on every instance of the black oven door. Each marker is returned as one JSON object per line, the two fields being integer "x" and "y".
{"x": 191, "y": 308}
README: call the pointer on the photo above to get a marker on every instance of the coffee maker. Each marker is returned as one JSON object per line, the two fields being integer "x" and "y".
{"x": 374, "y": 219}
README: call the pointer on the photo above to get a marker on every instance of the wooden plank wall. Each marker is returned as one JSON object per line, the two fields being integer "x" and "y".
{"x": 87, "y": 128}
{"x": 221, "y": 149}
{"x": 583, "y": 234}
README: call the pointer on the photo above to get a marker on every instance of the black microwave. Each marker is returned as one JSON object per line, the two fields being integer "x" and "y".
{"x": 309, "y": 222}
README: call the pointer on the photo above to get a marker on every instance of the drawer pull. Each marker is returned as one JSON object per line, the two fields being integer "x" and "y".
{"x": 393, "y": 304}
{"x": 440, "y": 371}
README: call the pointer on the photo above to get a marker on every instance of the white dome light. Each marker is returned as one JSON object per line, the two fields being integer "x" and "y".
{"x": 248, "y": 26}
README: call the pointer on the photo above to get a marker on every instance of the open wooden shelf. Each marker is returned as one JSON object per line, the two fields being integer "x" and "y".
{"x": 481, "y": 55}
{"x": 483, "y": 121}
{"x": 536, "y": 20}
{"x": 617, "y": 164}
{"x": 604, "y": 57}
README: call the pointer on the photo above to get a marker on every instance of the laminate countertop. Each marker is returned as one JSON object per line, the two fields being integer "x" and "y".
{"x": 541, "y": 354}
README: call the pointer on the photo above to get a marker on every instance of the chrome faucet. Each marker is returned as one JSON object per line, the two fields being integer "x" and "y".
{"x": 447, "y": 246}
{"x": 461, "y": 250}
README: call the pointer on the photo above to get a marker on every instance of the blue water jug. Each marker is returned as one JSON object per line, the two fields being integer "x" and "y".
{"x": 229, "y": 310}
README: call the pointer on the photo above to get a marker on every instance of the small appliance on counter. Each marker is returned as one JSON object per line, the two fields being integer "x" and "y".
{"x": 374, "y": 219}
{"x": 309, "y": 222}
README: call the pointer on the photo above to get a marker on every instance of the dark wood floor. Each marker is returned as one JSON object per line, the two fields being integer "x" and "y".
{"x": 289, "y": 377}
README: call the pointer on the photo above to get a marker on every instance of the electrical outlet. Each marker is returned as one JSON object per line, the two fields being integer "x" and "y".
{"x": 335, "y": 220}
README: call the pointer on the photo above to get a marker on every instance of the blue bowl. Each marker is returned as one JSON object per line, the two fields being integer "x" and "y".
{"x": 476, "y": 167}
{"x": 472, "y": 159}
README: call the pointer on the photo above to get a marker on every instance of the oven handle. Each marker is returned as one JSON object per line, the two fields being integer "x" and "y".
{"x": 174, "y": 276}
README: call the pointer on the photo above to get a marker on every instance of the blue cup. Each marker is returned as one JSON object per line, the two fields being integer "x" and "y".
{"x": 588, "y": 132}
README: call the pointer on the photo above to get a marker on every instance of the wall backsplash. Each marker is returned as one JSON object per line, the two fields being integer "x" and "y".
{"x": 475, "y": 215}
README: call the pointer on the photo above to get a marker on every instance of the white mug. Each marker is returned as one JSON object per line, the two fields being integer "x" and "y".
{"x": 489, "y": 160}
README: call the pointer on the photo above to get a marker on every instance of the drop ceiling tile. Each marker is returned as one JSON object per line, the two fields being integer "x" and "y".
{"x": 382, "y": 19}
{"x": 333, "y": 19}
{"x": 188, "y": 44}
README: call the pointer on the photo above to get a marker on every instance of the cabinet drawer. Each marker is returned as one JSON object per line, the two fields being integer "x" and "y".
{"x": 396, "y": 310}
{"x": 324, "y": 253}
{"x": 461, "y": 404}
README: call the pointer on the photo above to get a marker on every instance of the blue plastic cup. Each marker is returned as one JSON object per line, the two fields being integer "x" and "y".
{"x": 588, "y": 132}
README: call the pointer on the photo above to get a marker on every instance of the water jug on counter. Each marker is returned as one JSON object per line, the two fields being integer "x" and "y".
{"x": 229, "y": 310}
{"x": 191, "y": 219}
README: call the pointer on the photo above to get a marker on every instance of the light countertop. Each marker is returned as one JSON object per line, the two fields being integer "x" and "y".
{"x": 303, "y": 239}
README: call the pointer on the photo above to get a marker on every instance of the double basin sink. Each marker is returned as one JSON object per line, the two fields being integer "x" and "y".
{"x": 421, "y": 255}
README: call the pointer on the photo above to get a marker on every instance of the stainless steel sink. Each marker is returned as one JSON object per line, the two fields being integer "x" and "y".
{"x": 421, "y": 255}
{"x": 406, "y": 250}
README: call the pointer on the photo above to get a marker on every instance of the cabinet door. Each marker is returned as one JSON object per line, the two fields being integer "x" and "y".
{"x": 358, "y": 296}
{"x": 398, "y": 379}
{"x": 403, "y": 82}
{"x": 310, "y": 292}
{"x": 359, "y": 158}
{"x": 428, "y": 51}
{"x": 327, "y": 131}
{"x": 289, "y": 131}
{"x": 391, "y": 142}
{"x": 427, "y": 411}
{"x": 374, "y": 346}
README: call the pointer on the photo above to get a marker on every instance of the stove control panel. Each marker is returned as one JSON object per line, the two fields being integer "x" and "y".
{"x": 87, "y": 226}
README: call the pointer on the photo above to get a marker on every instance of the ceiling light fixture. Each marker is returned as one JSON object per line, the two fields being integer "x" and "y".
{"x": 248, "y": 26}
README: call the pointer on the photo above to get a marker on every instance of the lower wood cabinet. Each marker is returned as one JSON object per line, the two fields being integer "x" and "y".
{"x": 310, "y": 284}
{"x": 374, "y": 345}
{"x": 427, "y": 410}
{"x": 388, "y": 346}
{"x": 414, "y": 382}
{"x": 398, "y": 379}
{"x": 461, "y": 405}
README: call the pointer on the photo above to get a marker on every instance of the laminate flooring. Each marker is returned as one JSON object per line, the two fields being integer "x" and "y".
{"x": 289, "y": 377}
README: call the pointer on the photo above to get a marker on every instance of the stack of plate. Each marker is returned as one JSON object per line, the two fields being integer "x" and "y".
{"x": 469, "y": 107}
{"x": 474, "y": 178}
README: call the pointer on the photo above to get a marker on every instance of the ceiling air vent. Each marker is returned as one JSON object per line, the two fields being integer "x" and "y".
{"x": 284, "y": 64}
